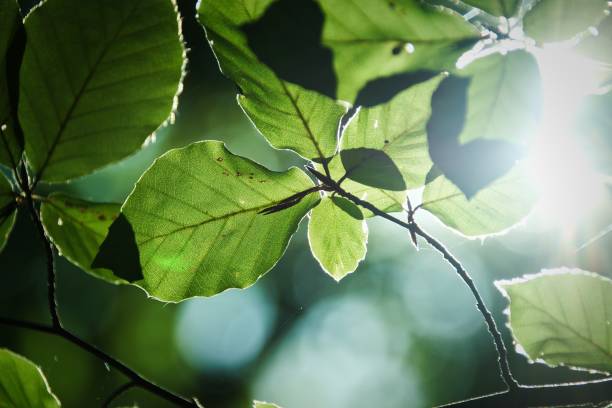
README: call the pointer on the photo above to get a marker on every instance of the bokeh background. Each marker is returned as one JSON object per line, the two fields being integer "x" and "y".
{"x": 402, "y": 331}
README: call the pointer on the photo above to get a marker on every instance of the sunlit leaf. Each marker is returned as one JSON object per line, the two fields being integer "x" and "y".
{"x": 8, "y": 212}
{"x": 10, "y": 22}
{"x": 386, "y": 146}
{"x": 338, "y": 235}
{"x": 289, "y": 116}
{"x": 562, "y": 317}
{"x": 261, "y": 404}
{"x": 377, "y": 38}
{"x": 492, "y": 210}
{"x": 504, "y": 97}
{"x": 98, "y": 77}
{"x": 197, "y": 223}
{"x": 501, "y": 8}
{"x": 78, "y": 228}
{"x": 558, "y": 20}
{"x": 22, "y": 384}
{"x": 599, "y": 46}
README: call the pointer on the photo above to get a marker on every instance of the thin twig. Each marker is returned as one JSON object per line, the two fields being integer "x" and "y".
{"x": 117, "y": 393}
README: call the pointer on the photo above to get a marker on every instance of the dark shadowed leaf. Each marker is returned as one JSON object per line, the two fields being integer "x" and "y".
{"x": 22, "y": 384}
{"x": 377, "y": 38}
{"x": 559, "y": 20}
{"x": 289, "y": 116}
{"x": 77, "y": 228}
{"x": 8, "y": 211}
{"x": 94, "y": 86}
{"x": 372, "y": 167}
{"x": 338, "y": 235}
{"x": 196, "y": 218}
{"x": 501, "y": 8}
{"x": 562, "y": 317}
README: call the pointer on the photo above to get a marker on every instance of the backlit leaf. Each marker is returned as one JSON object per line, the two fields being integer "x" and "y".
{"x": 98, "y": 78}
{"x": 377, "y": 38}
{"x": 289, "y": 116}
{"x": 22, "y": 384}
{"x": 78, "y": 228}
{"x": 501, "y": 8}
{"x": 197, "y": 223}
{"x": 338, "y": 235}
{"x": 261, "y": 404}
{"x": 599, "y": 46}
{"x": 562, "y": 317}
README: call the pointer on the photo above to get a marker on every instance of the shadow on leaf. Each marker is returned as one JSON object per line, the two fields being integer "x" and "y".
{"x": 382, "y": 90}
{"x": 372, "y": 167}
{"x": 119, "y": 252}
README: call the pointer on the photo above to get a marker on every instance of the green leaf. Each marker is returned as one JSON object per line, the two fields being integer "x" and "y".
{"x": 10, "y": 22}
{"x": 562, "y": 317}
{"x": 500, "y": 8}
{"x": 197, "y": 223}
{"x": 492, "y": 210}
{"x": 289, "y": 116}
{"x": 8, "y": 212}
{"x": 558, "y": 20}
{"x": 78, "y": 228}
{"x": 596, "y": 130}
{"x": 397, "y": 130}
{"x": 22, "y": 384}
{"x": 599, "y": 47}
{"x": 377, "y": 38}
{"x": 504, "y": 97}
{"x": 98, "y": 78}
{"x": 338, "y": 235}
{"x": 262, "y": 404}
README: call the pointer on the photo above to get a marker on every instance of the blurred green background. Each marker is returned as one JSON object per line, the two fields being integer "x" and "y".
{"x": 402, "y": 331}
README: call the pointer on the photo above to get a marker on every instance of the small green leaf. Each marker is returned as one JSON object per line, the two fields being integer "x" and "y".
{"x": 22, "y": 384}
{"x": 98, "y": 77}
{"x": 196, "y": 218}
{"x": 504, "y": 97}
{"x": 289, "y": 116}
{"x": 8, "y": 212}
{"x": 78, "y": 228}
{"x": 10, "y": 22}
{"x": 397, "y": 130}
{"x": 492, "y": 210}
{"x": 599, "y": 46}
{"x": 338, "y": 235}
{"x": 558, "y": 20}
{"x": 377, "y": 38}
{"x": 262, "y": 404}
{"x": 500, "y": 8}
{"x": 562, "y": 317}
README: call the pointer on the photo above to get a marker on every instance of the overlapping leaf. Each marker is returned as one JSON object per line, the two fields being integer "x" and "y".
{"x": 98, "y": 77}
{"x": 78, "y": 228}
{"x": 501, "y": 8}
{"x": 504, "y": 97}
{"x": 8, "y": 211}
{"x": 377, "y": 38}
{"x": 196, "y": 218}
{"x": 493, "y": 209}
{"x": 289, "y": 116}
{"x": 562, "y": 317}
{"x": 559, "y": 20}
{"x": 22, "y": 384}
{"x": 10, "y": 21}
{"x": 338, "y": 234}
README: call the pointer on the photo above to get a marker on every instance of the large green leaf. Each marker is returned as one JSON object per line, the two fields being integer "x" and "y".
{"x": 197, "y": 223}
{"x": 562, "y": 317}
{"x": 377, "y": 38}
{"x": 22, "y": 384}
{"x": 10, "y": 21}
{"x": 386, "y": 146}
{"x": 98, "y": 78}
{"x": 338, "y": 234}
{"x": 504, "y": 97}
{"x": 599, "y": 47}
{"x": 558, "y": 20}
{"x": 289, "y": 116}
{"x": 501, "y": 8}
{"x": 8, "y": 212}
{"x": 493, "y": 209}
{"x": 78, "y": 228}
